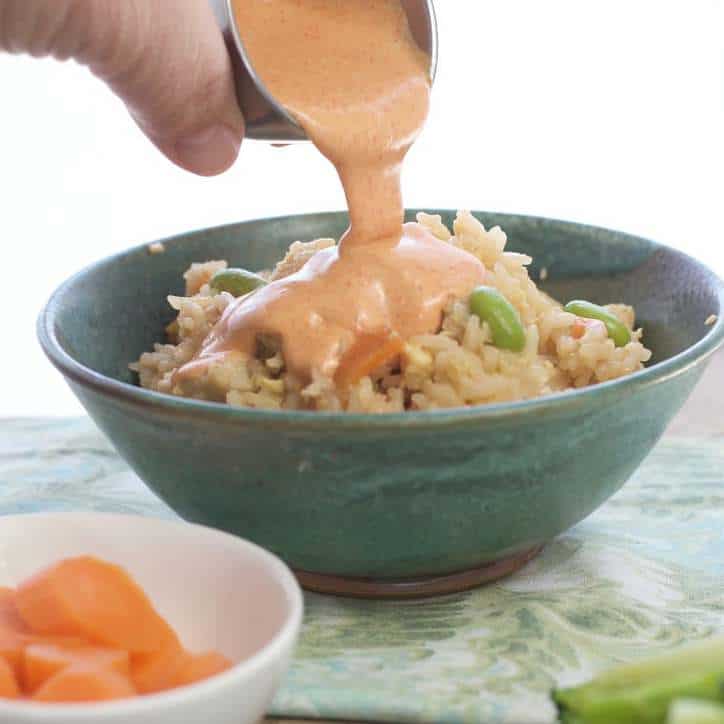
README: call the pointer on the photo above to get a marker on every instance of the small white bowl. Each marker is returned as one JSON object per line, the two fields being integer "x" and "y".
{"x": 217, "y": 591}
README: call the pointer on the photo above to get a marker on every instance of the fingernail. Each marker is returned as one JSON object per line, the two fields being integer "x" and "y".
{"x": 208, "y": 152}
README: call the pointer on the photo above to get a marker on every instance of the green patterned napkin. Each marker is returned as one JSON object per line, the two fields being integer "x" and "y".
{"x": 641, "y": 575}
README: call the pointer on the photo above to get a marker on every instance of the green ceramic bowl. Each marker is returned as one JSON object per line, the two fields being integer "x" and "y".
{"x": 406, "y": 503}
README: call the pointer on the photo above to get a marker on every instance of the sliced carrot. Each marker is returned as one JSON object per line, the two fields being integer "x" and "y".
{"x": 12, "y": 646}
{"x": 41, "y": 661}
{"x": 10, "y": 619}
{"x": 157, "y": 671}
{"x": 9, "y": 688}
{"x": 83, "y": 630}
{"x": 82, "y": 684}
{"x": 201, "y": 666}
{"x": 367, "y": 354}
{"x": 92, "y": 599}
{"x": 14, "y": 634}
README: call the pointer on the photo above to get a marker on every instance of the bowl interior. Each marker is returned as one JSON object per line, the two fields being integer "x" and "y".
{"x": 106, "y": 316}
{"x": 217, "y": 591}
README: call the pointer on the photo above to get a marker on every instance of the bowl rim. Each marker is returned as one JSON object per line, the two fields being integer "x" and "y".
{"x": 309, "y": 419}
{"x": 283, "y": 638}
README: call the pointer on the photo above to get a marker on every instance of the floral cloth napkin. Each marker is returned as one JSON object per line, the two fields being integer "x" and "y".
{"x": 642, "y": 574}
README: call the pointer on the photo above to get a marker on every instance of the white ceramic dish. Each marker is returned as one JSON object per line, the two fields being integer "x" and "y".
{"x": 218, "y": 592}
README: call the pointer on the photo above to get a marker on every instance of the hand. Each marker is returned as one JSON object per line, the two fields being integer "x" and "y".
{"x": 166, "y": 59}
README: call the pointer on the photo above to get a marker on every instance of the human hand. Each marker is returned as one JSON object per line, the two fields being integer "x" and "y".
{"x": 166, "y": 59}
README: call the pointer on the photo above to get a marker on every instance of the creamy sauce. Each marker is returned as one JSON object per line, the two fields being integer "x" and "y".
{"x": 334, "y": 298}
{"x": 352, "y": 76}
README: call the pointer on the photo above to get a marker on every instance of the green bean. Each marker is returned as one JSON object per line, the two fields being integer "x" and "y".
{"x": 237, "y": 282}
{"x": 491, "y": 306}
{"x": 617, "y": 330}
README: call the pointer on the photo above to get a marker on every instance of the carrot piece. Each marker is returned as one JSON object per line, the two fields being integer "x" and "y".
{"x": 367, "y": 354}
{"x": 92, "y": 599}
{"x": 9, "y": 688}
{"x": 10, "y": 619}
{"x": 83, "y": 684}
{"x": 578, "y": 329}
{"x": 41, "y": 661}
{"x": 14, "y": 634}
{"x": 201, "y": 666}
{"x": 12, "y": 646}
{"x": 157, "y": 671}
{"x": 581, "y": 325}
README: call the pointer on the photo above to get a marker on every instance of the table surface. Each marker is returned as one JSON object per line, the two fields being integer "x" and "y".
{"x": 642, "y": 573}
{"x": 701, "y": 416}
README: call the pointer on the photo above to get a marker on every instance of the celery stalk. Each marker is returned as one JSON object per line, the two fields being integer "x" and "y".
{"x": 640, "y": 693}
{"x": 702, "y": 655}
{"x": 568, "y": 718}
{"x": 648, "y": 704}
{"x": 694, "y": 711}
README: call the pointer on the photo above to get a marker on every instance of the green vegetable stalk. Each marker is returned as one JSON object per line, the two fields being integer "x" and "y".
{"x": 641, "y": 692}
{"x": 694, "y": 711}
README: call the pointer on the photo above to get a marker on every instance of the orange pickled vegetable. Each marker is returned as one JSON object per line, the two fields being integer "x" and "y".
{"x": 10, "y": 619}
{"x": 41, "y": 661}
{"x": 79, "y": 684}
{"x": 156, "y": 671}
{"x": 201, "y": 666}
{"x": 14, "y": 634}
{"x": 92, "y": 599}
{"x": 11, "y": 649}
{"x": 9, "y": 688}
{"x": 366, "y": 355}
{"x": 83, "y": 630}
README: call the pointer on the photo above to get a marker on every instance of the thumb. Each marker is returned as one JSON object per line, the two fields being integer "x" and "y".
{"x": 166, "y": 60}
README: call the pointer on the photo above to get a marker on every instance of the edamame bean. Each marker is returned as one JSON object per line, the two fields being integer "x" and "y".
{"x": 617, "y": 330}
{"x": 236, "y": 281}
{"x": 491, "y": 306}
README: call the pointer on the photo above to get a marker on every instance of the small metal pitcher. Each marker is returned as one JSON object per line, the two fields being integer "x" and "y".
{"x": 266, "y": 119}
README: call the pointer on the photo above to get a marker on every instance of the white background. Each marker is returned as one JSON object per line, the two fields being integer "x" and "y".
{"x": 610, "y": 113}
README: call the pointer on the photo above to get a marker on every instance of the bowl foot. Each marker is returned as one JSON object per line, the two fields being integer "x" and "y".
{"x": 415, "y": 587}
